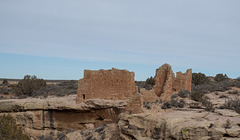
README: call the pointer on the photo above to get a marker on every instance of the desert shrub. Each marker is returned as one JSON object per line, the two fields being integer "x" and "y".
{"x": 148, "y": 87}
{"x": 223, "y": 96}
{"x": 233, "y": 104}
{"x": 212, "y": 86}
{"x": 5, "y": 82}
{"x": 233, "y": 92}
{"x": 60, "y": 90}
{"x": 199, "y": 97}
{"x": 29, "y": 84}
{"x": 6, "y": 90}
{"x": 199, "y": 79}
{"x": 227, "y": 125}
{"x": 183, "y": 93}
{"x": 174, "y": 96}
{"x": 196, "y": 96}
{"x": 5, "y": 93}
{"x": 220, "y": 77}
{"x": 149, "y": 83}
{"x": 173, "y": 103}
{"x": 207, "y": 104}
{"x": 9, "y": 129}
{"x": 147, "y": 105}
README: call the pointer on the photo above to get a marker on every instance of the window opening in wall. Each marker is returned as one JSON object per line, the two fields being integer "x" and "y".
{"x": 83, "y": 96}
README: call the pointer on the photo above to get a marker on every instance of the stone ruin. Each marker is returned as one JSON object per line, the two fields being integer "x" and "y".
{"x": 111, "y": 84}
{"x": 166, "y": 83}
{"x": 117, "y": 84}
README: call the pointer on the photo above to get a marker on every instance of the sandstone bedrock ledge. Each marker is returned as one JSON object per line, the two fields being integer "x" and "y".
{"x": 54, "y": 116}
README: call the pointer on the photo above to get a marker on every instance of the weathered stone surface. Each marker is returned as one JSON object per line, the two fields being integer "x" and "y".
{"x": 164, "y": 81}
{"x": 52, "y": 116}
{"x": 111, "y": 84}
{"x": 149, "y": 95}
{"x": 102, "y": 132}
{"x": 183, "y": 81}
{"x": 135, "y": 104}
{"x": 187, "y": 124}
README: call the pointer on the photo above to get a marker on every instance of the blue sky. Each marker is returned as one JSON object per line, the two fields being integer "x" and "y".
{"x": 58, "y": 39}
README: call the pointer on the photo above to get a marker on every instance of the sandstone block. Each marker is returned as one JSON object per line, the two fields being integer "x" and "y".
{"x": 111, "y": 84}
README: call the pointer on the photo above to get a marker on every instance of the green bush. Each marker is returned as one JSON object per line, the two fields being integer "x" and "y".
{"x": 220, "y": 77}
{"x": 9, "y": 129}
{"x": 29, "y": 84}
{"x": 150, "y": 81}
{"x": 199, "y": 79}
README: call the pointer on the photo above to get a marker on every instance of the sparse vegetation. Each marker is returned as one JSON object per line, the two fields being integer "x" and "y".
{"x": 227, "y": 125}
{"x": 199, "y": 79}
{"x": 233, "y": 92}
{"x": 62, "y": 89}
{"x": 199, "y": 97}
{"x": 196, "y": 96}
{"x": 149, "y": 83}
{"x": 212, "y": 86}
{"x": 29, "y": 84}
{"x": 9, "y": 129}
{"x": 233, "y": 104}
{"x": 173, "y": 103}
{"x": 147, "y": 105}
{"x": 5, "y": 82}
{"x": 220, "y": 77}
{"x": 174, "y": 96}
{"x": 183, "y": 93}
{"x": 207, "y": 104}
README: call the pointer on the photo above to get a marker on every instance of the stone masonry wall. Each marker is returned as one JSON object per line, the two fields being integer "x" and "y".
{"x": 166, "y": 83}
{"x": 163, "y": 81}
{"x": 183, "y": 81}
{"x": 111, "y": 84}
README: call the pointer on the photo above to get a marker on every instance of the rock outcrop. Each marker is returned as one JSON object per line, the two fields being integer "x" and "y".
{"x": 56, "y": 116}
{"x": 188, "y": 124}
{"x": 111, "y": 84}
{"x": 182, "y": 124}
